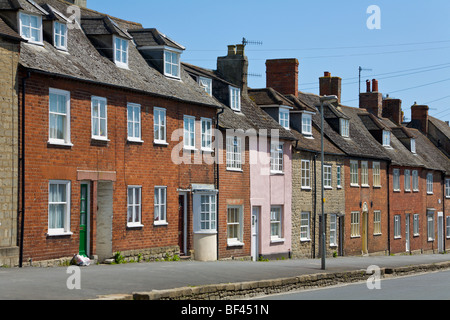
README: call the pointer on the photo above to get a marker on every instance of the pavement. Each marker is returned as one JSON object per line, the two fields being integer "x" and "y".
{"x": 122, "y": 280}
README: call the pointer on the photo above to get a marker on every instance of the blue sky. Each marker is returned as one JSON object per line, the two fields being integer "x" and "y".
{"x": 409, "y": 55}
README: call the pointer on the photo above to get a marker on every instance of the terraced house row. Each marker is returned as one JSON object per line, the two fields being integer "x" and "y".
{"x": 111, "y": 144}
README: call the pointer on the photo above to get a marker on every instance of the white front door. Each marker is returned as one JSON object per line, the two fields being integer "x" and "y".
{"x": 255, "y": 233}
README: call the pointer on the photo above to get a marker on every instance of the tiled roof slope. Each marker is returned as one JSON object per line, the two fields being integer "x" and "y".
{"x": 85, "y": 62}
{"x": 433, "y": 157}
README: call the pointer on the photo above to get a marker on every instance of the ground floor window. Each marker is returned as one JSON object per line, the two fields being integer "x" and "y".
{"x": 333, "y": 230}
{"x": 58, "y": 207}
{"x": 134, "y": 206}
{"x": 416, "y": 225}
{"x": 397, "y": 227}
{"x": 275, "y": 223}
{"x": 305, "y": 226}
{"x": 430, "y": 225}
{"x": 377, "y": 222}
{"x": 234, "y": 225}
{"x": 205, "y": 216}
{"x": 355, "y": 230}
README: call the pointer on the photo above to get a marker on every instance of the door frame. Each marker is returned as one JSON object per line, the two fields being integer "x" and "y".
{"x": 255, "y": 233}
{"x": 88, "y": 216}
{"x": 185, "y": 195}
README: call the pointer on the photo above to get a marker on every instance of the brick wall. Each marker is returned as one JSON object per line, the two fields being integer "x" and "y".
{"x": 143, "y": 164}
{"x": 9, "y": 58}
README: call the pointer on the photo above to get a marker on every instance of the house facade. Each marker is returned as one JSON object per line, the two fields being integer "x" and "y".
{"x": 111, "y": 145}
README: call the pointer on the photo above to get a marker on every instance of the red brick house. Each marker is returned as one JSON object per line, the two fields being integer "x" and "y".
{"x": 111, "y": 140}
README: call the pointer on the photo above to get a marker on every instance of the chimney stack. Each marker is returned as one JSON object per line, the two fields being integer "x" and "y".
{"x": 282, "y": 75}
{"x": 372, "y": 100}
{"x": 330, "y": 86}
{"x": 234, "y": 66}
{"x": 419, "y": 117}
{"x": 392, "y": 108}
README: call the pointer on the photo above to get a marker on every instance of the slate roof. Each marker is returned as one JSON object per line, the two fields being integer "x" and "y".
{"x": 152, "y": 38}
{"x": 7, "y": 32}
{"x": 269, "y": 97}
{"x": 433, "y": 157}
{"x": 440, "y": 125}
{"x": 86, "y": 63}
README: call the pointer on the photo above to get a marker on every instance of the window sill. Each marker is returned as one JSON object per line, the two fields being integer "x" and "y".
{"x": 398, "y": 237}
{"x": 430, "y": 193}
{"x": 134, "y": 140}
{"x": 277, "y": 240}
{"x": 205, "y": 232}
{"x": 189, "y": 148}
{"x": 134, "y": 225}
{"x": 59, "y": 143}
{"x": 235, "y": 170}
{"x": 59, "y": 233}
{"x": 306, "y": 188}
{"x": 277, "y": 173}
{"x": 234, "y": 243}
{"x": 207, "y": 150}
{"x": 376, "y": 187}
{"x": 160, "y": 223}
{"x": 354, "y": 237}
{"x": 328, "y": 188}
{"x": 354, "y": 185}
{"x": 305, "y": 240}
{"x": 397, "y": 190}
{"x": 160, "y": 143}
{"x": 100, "y": 138}
{"x": 365, "y": 186}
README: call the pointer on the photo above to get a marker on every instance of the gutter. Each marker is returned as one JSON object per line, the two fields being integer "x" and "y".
{"x": 22, "y": 171}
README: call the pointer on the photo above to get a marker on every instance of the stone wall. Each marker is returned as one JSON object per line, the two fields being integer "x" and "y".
{"x": 9, "y": 56}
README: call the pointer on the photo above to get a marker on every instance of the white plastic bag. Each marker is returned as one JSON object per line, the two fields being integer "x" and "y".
{"x": 81, "y": 261}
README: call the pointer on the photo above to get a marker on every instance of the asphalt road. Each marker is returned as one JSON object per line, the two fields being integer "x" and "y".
{"x": 31, "y": 283}
{"x": 429, "y": 286}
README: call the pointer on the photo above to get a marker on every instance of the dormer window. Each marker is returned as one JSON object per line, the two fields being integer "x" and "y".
{"x": 413, "y": 145}
{"x": 206, "y": 84}
{"x": 386, "y": 138}
{"x": 31, "y": 27}
{"x": 121, "y": 52}
{"x": 283, "y": 117}
{"x": 235, "y": 98}
{"x": 345, "y": 127}
{"x": 306, "y": 124}
{"x": 172, "y": 64}
{"x": 60, "y": 35}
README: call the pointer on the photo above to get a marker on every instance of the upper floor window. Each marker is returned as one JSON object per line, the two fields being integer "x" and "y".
{"x": 60, "y": 35}
{"x": 413, "y": 145}
{"x": 306, "y": 124}
{"x": 31, "y": 27}
{"x": 235, "y": 98}
{"x": 159, "y": 125}
{"x": 283, "y": 116}
{"x": 364, "y": 173}
{"x": 59, "y": 117}
{"x": 415, "y": 180}
{"x": 306, "y": 174}
{"x": 407, "y": 180}
{"x": 447, "y": 188}
{"x": 172, "y": 64}
{"x": 206, "y": 84}
{"x": 134, "y": 122}
{"x": 121, "y": 52}
{"x": 234, "y": 153}
{"x": 327, "y": 176}
{"x": 207, "y": 134}
{"x": 376, "y": 174}
{"x": 276, "y": 158}
{"x": 386, "y": 138}
{"x": 396, "y": 181}
{"x": 430, "y": 183}
{"x": 354, "y": 178}
{"x": 189, "y": 132}
{"x": 99, "y": 118}
{"x": 345, "y": 127}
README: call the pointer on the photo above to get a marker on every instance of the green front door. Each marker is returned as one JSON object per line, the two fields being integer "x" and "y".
{"x": 83, "y": 219}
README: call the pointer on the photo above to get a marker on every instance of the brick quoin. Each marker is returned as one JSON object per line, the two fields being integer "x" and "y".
{"x": 143, "y": 164}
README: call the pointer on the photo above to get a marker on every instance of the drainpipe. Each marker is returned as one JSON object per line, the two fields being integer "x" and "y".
{"x": 217, "y": 181}
{"x": 389, "y": 207}
{"x": 21, "y": 179}
{"x": 315, "y": 206}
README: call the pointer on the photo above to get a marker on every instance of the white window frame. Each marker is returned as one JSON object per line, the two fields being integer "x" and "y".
{"x": 276, "y": 219}
{"x": 354, "y": 175}
{"x": 172, "y": 64}
{"x": 386, "y": 138}
{"x": 205, "y": 214}
{"x": 344, "y": 125}
{"x": 415, "y": 180}
{"x": 235, "y": 223}
{"x": 135, "y": 110}
{"x": 333, "y": 230}
{"x": 364, "y": 173}
{"x": 355, "y": 231}
{"x": 39, "y": 28}
{"x": 447, "y": 222}
{"x": 207, "y": 132}
{"x": 189, "y": 132}
{"x": 65, "y": 230}
{"x": 430, "y": 183}
{"x": 407, "y": 175}
{"x": 416, "y": 226}
{"x": 206, "y": 84}
{"x": 235, "y": 98}
{"x": 376, "y": 222}
{"x": 96, "y": 101}
{"x": 234, "y": 153}
{"x": 327, "y": 174}
{"x": 60, "y": 35}
{"x": 306, "y": 174}
{"x": 66, "y": 130}
{"x": 430, "y": 225}
{"x": 447, "y": 188}
{"x": 159, "y": 126}
{"x": 376, "y": 170}
{"x": 135, "y": 206}
{"x": 160, "y": 206}
{"x": 413, "y": 146}
{"x": 120, "y": 50}
{"x": 283, "y": 117}
{"x": 276, "y": 157}
{"x": 397, "y": 227}
{"x": 307, "y": 124}
{"x": 305, "y": 228}
{"x": 396, "y": 179}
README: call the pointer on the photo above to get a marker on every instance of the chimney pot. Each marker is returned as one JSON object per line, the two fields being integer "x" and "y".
{"x": 326, "y": 74}
{"x": 231, "y": 50}
{"x": 368, "y": 86}
{"x": 240, "y": 49}
{"x": 374, "y": 85}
